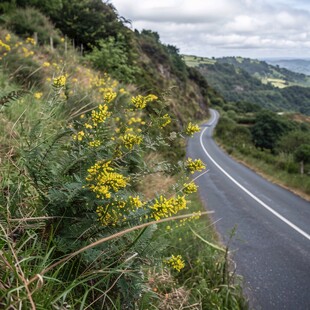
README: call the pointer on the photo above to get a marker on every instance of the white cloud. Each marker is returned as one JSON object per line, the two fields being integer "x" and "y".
{"x": 253, "y": 28}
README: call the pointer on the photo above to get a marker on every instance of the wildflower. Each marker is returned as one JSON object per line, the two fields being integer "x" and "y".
{"x": 109, "y": 96}
{"x": 8, "y": 38}
{"x": 59, "y": 81}
{"x": 135, "y": 202}
{"x": 140, "y": 101}
{"x": 37, "y": 95}
{"x": 88, "y": 126}
{"x": 190, "y": 188}
{"x": 163, "y": 207}
{"x": 103, "y": 179}
{"x": 130, "y": 140}
{"x": 100, "y": 115}
{"x": 94, "y": 143}
{"x": 194, "y": 165}
{"x": 31, "y": 41}
{"x": 46, "y": 64}
{"x": 191, "y": 129}
{"x": 175, "y": 262}
{"x": 165, "y": 120}
{"x": 62, "y": 39}
{"x": 5, "y": 46}
{"x": 79, "y": 136}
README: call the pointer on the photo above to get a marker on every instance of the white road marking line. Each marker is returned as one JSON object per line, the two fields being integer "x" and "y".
{"x": 282, "y": 218}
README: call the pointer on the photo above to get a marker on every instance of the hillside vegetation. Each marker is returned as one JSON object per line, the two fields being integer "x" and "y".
{"x": 254, "y": 81}
{"x": 97, "y": 207}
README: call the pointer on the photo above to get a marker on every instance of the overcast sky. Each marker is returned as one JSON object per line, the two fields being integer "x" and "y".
{"x": 248, "y": 28}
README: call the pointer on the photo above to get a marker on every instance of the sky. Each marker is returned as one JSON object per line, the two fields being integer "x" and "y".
{"x": 216, "y": 28}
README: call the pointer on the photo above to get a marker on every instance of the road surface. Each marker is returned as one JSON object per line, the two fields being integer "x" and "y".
{"x": 271, "y": 247}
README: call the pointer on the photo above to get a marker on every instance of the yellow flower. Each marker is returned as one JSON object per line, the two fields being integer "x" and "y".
{"x": 165, "y": 120}
{"x": 130, "y": 140}
{"x": 8, "y": 38}
{"x": 175, "y": 262}
{"x": 95, "y": 143}
{"x": 191, "y": 129}
{"x": 62, "y": 39}
{"x": 60, "y": 81}
{"x": 190, "y": 188}
{"x": 109, "y": 96}
{"x": 46, "y": 64}
{"x": 135, "y": 202}
{"x": 31, "y": 41}
{"x": 5, "y": 46}
{"x": 104, "y": 180}
{"x": 37, "y": 95}
{"x": 163, "y": 207}
{"x": 140, "y": 101}
{"x": 194, "y": 165}
{"x": 100, "y": 115}
{"x": 79, "y": 136}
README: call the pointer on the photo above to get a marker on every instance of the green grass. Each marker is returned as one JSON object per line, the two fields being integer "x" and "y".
{"x": 195, "y": 61}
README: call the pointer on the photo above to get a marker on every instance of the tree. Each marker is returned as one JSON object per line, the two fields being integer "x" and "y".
{"x": 268, "y": 129}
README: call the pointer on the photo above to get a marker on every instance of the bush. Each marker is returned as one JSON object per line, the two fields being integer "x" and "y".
{"x": 26, "y": 22}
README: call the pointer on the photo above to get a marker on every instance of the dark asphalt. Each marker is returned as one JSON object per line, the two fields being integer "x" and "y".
{"x": 272, "y": 257}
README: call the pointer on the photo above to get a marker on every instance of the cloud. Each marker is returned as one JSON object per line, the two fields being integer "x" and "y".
{"x": 247, "y": 27}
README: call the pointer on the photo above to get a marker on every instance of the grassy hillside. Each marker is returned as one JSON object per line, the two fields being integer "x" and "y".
{"x": 92, "y": 177}
{"x": 240, "y": 79}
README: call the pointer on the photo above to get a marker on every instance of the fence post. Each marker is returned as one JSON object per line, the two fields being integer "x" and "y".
{"x": 52, "y": 43}
{"x": 35, "y": 37}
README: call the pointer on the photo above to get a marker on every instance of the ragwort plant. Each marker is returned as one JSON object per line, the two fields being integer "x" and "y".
{"x": 81, "y": 174}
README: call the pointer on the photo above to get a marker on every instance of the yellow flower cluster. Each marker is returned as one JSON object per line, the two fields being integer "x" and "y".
{"x": 109, "y": 96}
{"x": 117, "y": 212}
{"x": 191, "y": 129}
{"x": 46, "y": 64}
{"x": 110, "y": 214}
{"x": 5, "y": 46}
{"x": 37, "y": 95}
{"x": 130, "y": 140}
{"x": 79, "y": 136}
{"x": 135, "y": 202}
{"x": 100, "y": 115}
{"x": 194, "y": 165}
{"x": 140, "y": 101}
{"x": 175, "y": 262}
{"x": 26, "y": 52}
{"x": 60, "y": 81}
{"x": 136, "y": 120}
{"x": 31, "y": 41}
{"x": 103, "y": 179}
{"x": 163, "y": 207}
{"x": 7, "y": 38}
{"x": 94, "y": 143}
{"x": 190, "y": 188}
{"x": 165, "y": 120}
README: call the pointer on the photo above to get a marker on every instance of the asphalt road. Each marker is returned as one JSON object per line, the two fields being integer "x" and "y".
{"x": 271, "y": 247}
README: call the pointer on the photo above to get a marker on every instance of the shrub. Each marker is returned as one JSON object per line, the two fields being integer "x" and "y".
{"x": 26, "y": 22}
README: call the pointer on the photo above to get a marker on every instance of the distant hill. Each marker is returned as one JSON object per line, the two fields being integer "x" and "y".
{"x": 296, "y": 65}
{"x": 254, "y": 81}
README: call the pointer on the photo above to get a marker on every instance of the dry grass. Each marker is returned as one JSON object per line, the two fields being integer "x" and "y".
{"x": 155, "y": 183}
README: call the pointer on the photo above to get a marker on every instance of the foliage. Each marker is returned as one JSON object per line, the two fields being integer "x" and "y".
{"x": 26, "y": 22}
{"x": 111, "y": 56}
{"x": 268, "y": 129}
{"x": 302, "y": 153}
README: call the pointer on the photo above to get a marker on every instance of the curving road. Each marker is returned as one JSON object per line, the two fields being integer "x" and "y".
{"x": 272, "y": 242}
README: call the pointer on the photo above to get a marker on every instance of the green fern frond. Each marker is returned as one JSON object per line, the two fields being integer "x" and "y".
{"x": 12, "y": 96}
